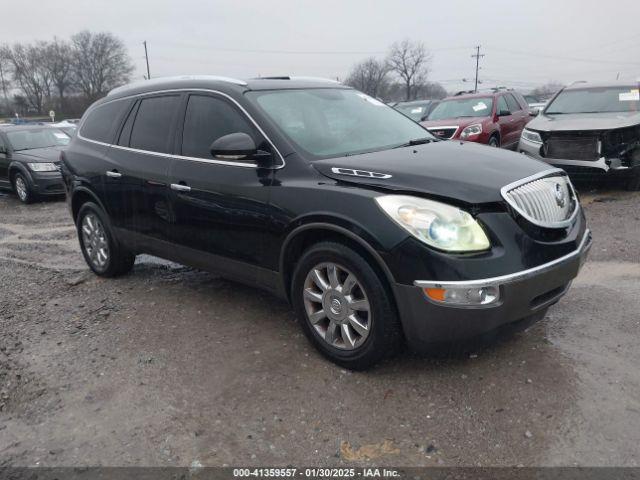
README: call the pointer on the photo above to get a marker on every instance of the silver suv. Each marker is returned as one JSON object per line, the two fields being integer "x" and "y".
{"x": 589, "y": 128}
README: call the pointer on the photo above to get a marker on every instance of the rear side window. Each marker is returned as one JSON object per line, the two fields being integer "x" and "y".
{"x": 152, "y": 126}
{"x": 513, "y": 105}
{"x": 502, "y": 104}
{"x": 207, "y": 119}
{"x": 101, "y": 120}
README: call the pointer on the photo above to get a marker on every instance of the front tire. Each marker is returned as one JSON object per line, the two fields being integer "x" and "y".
{"x": 23, "y": 188}
{"x": 344, "y": 306}
{"x": 102, "y": 253}
{"x": 494, "y": 141}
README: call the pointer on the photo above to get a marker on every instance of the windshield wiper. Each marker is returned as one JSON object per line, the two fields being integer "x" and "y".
{"x": 416, "y": 141}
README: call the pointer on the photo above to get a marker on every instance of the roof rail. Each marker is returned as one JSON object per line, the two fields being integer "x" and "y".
{"x": 289, "y": 77}
{"x": 161, "y": 80}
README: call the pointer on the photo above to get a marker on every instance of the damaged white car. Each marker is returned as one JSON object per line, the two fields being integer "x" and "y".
{"x": 591, "y": 129}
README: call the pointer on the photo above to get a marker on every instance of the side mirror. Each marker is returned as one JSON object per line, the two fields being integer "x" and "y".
{"x": 235, "y": 146}
{"x": 424, "y": 118}
{"x": 533, "y": 112}
{"x": 504, "y": 113}
{"x": 3, "y": 149}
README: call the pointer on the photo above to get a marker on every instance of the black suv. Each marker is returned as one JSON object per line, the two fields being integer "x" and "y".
{"x": 375, "y": 231}
{"x": 30, "y": 160}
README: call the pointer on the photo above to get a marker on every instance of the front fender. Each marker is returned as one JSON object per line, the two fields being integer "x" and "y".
{"x": 16, "y": 166}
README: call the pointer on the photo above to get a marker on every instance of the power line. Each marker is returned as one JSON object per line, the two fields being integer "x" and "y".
{"x": 307, "y": 52}
{"x": 555, "y": 57}
{"x": 607, "y": 44}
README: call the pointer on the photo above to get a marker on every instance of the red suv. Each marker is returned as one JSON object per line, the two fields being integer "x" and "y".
{"x": 495, "y": 119}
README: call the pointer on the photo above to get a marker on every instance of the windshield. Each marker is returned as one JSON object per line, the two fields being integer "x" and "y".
{"x": 37, "y": 138}
{"x": 336, "y": 122}
{"x": 462, "y": 107}
{"x": 415, "y": 111}
{"x": 596, "y": 100}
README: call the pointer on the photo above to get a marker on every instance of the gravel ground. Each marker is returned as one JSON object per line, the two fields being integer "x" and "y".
{"x": 169, "y": 366}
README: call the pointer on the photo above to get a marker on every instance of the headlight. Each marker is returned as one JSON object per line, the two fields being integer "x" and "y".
{"x": 471, "y": 130}
{"x": 437, "y": 224}
{"x": 42, "y": 167}
{"x": 531, "y": 136}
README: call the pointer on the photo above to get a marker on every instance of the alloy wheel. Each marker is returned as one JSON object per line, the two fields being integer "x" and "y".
{"x": 94, "y": 240}
{"x": 21, "y": 188}
{"x": 337, "y": 306}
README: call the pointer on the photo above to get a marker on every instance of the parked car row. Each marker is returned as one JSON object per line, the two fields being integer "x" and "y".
{"x": 587, "y": 129}
{"x": 380, "y": 228}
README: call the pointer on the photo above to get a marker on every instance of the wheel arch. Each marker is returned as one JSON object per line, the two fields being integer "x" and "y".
{"x": 306, "y": 235}
{"x": 80, "y": 196}
{"x": 17, "y": 167}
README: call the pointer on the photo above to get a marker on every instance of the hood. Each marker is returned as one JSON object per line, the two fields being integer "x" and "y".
{"x": 461, "y": 122}
{"x": 584, "y": 121}
{"x": 465, "y": 171}
{"x": 49, "y": 154}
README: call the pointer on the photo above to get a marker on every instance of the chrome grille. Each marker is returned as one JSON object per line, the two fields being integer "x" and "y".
{"x": 443, "y": 132}
{"x": 547, "y": 200}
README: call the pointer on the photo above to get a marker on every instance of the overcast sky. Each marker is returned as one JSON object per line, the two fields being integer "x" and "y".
{"x": 526, "y": 43}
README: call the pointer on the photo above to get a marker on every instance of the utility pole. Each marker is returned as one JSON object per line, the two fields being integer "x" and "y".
{"x": 146, "y": 55}
{"x": 477, "y": 56}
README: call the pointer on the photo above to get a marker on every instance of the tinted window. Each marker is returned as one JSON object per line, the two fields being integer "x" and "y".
{"x": 100, "y": 121}
{"x": 125, "y": 134}
{"x": 502, "y": 105}
{"x": 328, "y": 122}
{"x": 152, "y": 127}
{"x": 513, "y": 105}
{"x": 206, "y": 120}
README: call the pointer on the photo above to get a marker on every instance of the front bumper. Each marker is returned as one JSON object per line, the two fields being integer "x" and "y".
{"x": 47, "y": 183}
{"x": 525, "y": 294}
{"x": 602, "y": 165}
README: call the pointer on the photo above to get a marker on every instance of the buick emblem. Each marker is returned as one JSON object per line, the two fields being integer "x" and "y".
{"x": 561, "y": 196}
{"x": 336, "y": 306}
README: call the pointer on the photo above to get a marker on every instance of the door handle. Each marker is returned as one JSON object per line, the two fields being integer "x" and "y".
{"x": 114, "y": 174}
{"x": 178, "y": 187}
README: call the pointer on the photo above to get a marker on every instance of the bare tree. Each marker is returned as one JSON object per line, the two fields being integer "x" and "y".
{"x": 5, "y": 84}
{"x": 58, "y": 63}
{"x": 26, "y": 62}
{"x": 369, "y": 76}
{"x": 100, "y": 63}
{"x": 547, "y": 90}
{"x": 410, "y": 61}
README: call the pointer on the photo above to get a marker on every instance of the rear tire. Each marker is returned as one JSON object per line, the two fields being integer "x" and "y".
{"x": 100, "y": 249}
{"x": 344, "y": 307}
{"x": 23, "y": 188}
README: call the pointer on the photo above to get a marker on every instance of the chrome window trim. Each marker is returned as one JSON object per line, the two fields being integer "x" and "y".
{"x": 552, "y": 172}
{"x": 456, "y": 127}
{"x": 184, "y": 157}
{"x": 584, "y": 246}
